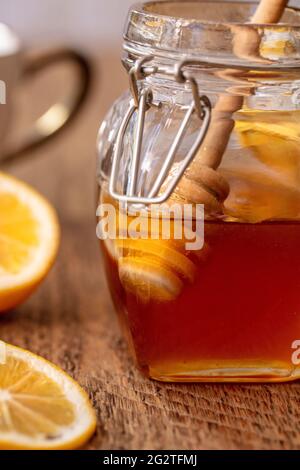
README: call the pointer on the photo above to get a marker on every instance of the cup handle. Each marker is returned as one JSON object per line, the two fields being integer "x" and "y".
{"x": 60, "y": 114}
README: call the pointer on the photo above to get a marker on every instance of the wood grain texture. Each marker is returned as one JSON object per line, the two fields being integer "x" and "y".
{"x": 70, "y": 320}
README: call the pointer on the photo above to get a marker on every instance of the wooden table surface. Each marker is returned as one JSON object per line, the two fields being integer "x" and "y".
{"x": 70, "y": 321}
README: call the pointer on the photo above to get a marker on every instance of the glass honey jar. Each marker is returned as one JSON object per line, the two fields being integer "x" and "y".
{"x": 199, "y": 194}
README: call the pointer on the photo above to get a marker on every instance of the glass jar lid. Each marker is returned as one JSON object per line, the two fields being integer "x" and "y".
{"x": 208, "y": 31}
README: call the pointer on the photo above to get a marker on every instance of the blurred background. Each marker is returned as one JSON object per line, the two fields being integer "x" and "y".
{"x": 94, "y": 27}
{"x": 95, "y": 24}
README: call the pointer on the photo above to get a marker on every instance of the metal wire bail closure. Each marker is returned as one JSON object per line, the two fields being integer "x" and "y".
{"x": 141, "y": 102}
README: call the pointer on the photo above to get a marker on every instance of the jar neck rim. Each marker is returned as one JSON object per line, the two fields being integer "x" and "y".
{"x": 169, "y": 30}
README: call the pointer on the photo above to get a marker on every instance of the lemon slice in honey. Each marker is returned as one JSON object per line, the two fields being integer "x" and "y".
{"x": 274, "y": 140}
{"x": 149, "y": 280}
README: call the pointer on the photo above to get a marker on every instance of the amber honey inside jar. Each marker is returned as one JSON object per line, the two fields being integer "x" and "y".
{"x": 226, "y": 309}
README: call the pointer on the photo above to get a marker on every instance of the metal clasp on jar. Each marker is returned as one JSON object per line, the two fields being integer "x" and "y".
{"x": 141, "y": 103}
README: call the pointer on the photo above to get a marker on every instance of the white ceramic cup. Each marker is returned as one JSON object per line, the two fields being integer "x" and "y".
{"x": 14, "y": 68}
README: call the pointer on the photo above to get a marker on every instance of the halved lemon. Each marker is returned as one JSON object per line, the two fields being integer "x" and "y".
{"x": 29, "y": 239}
{"x": 41, "y": 407}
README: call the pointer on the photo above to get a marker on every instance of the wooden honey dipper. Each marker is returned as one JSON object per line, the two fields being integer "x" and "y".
{"x": 201, "y": 183}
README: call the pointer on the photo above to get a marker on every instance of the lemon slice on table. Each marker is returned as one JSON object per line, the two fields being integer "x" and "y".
{"x": 41, "y": 407}
{"x": 29, "y": 238}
